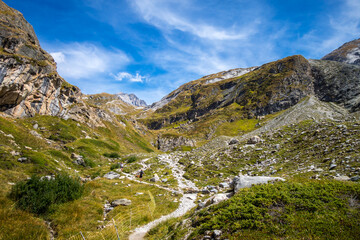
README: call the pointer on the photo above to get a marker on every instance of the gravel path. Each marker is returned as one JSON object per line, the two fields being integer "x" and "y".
{"x": 187, "y": 202}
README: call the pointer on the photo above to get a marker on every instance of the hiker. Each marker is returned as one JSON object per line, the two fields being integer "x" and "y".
{"x": 121, "y": 166}
{"x": 141, "y": 174}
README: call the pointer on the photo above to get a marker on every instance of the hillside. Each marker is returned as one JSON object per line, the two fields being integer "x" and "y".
{"x": 107, "y": 166}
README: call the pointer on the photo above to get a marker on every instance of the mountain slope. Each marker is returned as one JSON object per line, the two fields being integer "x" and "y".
{"x": 265, "y": 90}
{"x": 347, "y": 53}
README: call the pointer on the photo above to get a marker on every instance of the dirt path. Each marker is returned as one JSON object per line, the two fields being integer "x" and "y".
{"x": 187, "y": 202}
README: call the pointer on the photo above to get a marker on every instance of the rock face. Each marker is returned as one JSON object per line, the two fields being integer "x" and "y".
{"x": 169, "y": 143}
{"x": 29, "y": 82}
{"x": 347, "y": 53}
{"x": 337, "y": 82}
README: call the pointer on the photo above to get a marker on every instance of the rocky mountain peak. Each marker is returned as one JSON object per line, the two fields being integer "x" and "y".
{"x": 347, "y": 53}
{"x": 131, "y": 99}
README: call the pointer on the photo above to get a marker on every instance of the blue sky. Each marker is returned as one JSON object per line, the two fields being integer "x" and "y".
{"x": 151, "y": 47}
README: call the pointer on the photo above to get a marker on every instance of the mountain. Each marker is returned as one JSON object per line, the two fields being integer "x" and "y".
{"x": 265, "y": 90}
{"x": 131, "y": 99}
{"x": 347, "y": 53}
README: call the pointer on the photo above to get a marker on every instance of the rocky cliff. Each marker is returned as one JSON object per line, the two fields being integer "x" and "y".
{"x": 29, "y": 82}
{"x": 347, "y": 53}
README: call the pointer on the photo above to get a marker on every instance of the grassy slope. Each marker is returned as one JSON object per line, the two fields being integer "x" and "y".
{"x": 50, "y": 154}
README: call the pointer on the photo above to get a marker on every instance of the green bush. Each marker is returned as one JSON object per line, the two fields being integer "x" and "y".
{"x": 112, "y": 155}
{"x": 89, "y": 163}
{"x": 36, "y": 195}
{"x": 131, "y": 159}
{"x": 115, "y": 166}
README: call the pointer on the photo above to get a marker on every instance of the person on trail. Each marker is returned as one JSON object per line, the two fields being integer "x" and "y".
{"x": 141, "y": 173}
{"x": 121, "y": 166}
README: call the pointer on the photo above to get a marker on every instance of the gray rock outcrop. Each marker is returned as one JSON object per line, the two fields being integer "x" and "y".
{"x": 122, "y": 202}
{"x": 247, "y": 181}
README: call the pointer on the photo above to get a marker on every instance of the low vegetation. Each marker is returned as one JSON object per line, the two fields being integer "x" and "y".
{"x": 38, "y": 195}
{"x": 284, "y": 210}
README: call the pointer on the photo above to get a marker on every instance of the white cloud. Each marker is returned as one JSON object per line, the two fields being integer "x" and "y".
{"x": 59, "y": 57}
{"x": 169, "y": 15}
{"x": 84, "y": 60}
{"x": 127, "y": 76}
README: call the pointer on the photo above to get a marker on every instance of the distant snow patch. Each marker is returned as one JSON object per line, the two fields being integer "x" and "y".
{"x": 230, "y": 74}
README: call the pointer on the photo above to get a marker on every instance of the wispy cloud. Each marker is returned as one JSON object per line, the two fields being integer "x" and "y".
{"x": 127, "y": 76}
{"x": 84, "y": 60}
{"x": 169, "y": 15}
{"x": 333, "y": 30}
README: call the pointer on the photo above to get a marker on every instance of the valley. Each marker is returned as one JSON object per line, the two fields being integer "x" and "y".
{"x": 266, "y": 152}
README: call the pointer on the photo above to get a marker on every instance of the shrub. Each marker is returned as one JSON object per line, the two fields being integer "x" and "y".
{"x": 131, "y": 159}
{"x": 112, "y": 155}
{"x": 37, "y": 194}
{"x": 115, "y": 166}
{"x": 89, "y": 163}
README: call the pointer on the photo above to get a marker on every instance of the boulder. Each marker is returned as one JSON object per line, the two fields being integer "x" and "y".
{"x": 217, "y": 234}
{"x": 342, "y": 178}
{"x": 332, "y": 166}
{"x": 247, "y": 181}
{"x": 122, "y": 202}
{"x": 79, "y": 160}
{"x": 155, "y": 178}
{"x": 224, "y": 185}
{"x": 23, "y": 160}
{"x": 219, "y": 198}
{"x": 233, "y": 141}
{"x": 254, "y": 140}
{"x": 14, "y": 153}
{"x": 355, "y": 178}
{"x": 111, "y": 175}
